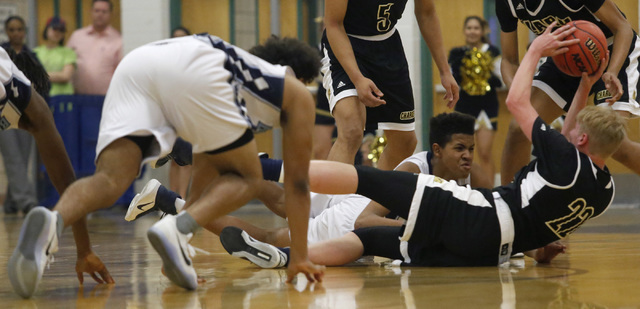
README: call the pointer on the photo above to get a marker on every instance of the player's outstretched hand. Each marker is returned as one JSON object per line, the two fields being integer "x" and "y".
{"x": 314, "y": 273}
{"x": 368, "y": 93}
{"x": 551, "y": 43}
{"x": 92, "y": 265}
{"x": 549, "y": 252}
{"x": 452, "y": 90}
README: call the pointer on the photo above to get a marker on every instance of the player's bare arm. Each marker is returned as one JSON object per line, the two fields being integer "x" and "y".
{"x": 518, "y": 100}
{"x": 335, "y": 11}
{"x": 581, "y": 96}
{"x": 297, "y": 119}
{"x": 510, "y": 56}
{"x": 611, "y": 16}
{"x": 38, "y": 121}
{"x": 429, "y": 24}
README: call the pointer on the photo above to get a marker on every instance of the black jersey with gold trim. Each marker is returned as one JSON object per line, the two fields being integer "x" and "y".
{"x": 556, "y": 193}
{"x": 372, "y": 17}
{"x": 537, "y": 15}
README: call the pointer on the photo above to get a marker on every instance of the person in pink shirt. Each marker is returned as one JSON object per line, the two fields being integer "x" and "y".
{"x": 99, "y": 50}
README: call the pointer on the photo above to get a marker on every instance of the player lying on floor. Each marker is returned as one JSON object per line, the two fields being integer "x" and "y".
{"x": 450, "y": 225}
{"x": 332, "y": 216}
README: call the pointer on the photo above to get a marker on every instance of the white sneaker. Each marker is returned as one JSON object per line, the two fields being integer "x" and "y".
{"x": 36, "y": 245}
{"x": 175, "y": 251}
{"x": 144, "y": 202}
{"x": 238, "y": 243}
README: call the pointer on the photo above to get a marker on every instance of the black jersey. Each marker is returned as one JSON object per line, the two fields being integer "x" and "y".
{"x": 555, "y": 193}
{"x": 372, "y": 17}
{"x": 538, "y": 14}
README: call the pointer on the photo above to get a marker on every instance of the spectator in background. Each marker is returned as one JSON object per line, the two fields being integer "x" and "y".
{"x": 180, "y": 31}
{"x": 16, "y": 145}
{"x": 474, "y": 70}
{"x": 99, "y": 50}
{"x": 58, "y": 60}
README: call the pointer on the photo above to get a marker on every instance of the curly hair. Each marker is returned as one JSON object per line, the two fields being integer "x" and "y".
{"x": 300, "y": 56}
{"x": 444, "y": 125}
{"x": 32, "y": 69}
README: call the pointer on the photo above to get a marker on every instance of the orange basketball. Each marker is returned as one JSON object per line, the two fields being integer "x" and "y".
{"x": 586, "y": 55}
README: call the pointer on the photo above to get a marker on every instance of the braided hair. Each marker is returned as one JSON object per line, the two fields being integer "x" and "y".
{"x": 32, "y": 69}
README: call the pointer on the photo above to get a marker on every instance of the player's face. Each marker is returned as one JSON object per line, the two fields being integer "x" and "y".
{"x": 457, "y": 155}
{"x": 473, "y": 32}
{"x": 15, "y": 32}
{"x": 101, "y": 14}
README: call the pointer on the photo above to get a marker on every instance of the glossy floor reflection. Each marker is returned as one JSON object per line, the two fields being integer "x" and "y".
{"x": 601, "y": 270}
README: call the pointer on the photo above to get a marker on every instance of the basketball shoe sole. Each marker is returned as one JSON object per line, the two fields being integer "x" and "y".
{"x": 238, "y": 243}
{"x": 37, "y": 242}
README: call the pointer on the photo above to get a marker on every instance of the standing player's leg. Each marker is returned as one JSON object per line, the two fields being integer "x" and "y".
{"x": 484, "y": 145}
{"x": 517, "y": 148}
{"x": 400, "y": 145}
{"x": 350, "y": 118}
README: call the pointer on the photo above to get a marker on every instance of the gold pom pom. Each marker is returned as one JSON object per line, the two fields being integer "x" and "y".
{"x": 476, "y": 70}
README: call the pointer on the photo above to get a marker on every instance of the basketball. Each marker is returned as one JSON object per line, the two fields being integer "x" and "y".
{"x": 586, "y": 55}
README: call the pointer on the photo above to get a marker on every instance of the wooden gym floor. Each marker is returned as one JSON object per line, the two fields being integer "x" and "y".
{"x": 600, "y": 270}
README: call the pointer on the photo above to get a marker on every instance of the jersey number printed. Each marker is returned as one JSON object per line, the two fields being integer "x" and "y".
{"x": 580, "y": 213}
{"x": 383, "y": 17}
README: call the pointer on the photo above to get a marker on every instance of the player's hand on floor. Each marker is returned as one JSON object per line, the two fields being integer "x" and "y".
{"x": 549, "y": 252}
{"x": 92, "y": 265}
{"x": 612, "y": 83}
{"x": 314, "y": 273}
{"x": 369, "y": 94}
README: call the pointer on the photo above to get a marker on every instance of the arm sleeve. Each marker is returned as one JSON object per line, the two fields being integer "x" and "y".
{"x": 558, "y": 159}
{"x": 508, "y": 22}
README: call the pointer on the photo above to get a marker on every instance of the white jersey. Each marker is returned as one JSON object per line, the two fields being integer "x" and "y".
{"x": 16, "y": 93}
{"x": 199, "y": 87}
{"x": 332, "y": 216}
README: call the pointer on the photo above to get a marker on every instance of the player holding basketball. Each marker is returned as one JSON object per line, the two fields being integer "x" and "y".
{"x": 449, "y": 225}
{"x": 213, "y": 95}
{"x": 365, "y": 66}
{"x": 552, "y": 90}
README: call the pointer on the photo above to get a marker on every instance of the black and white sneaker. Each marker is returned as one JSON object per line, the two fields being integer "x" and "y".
{"x": 238, "y": 243}
{"x": 175, "y": 251}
